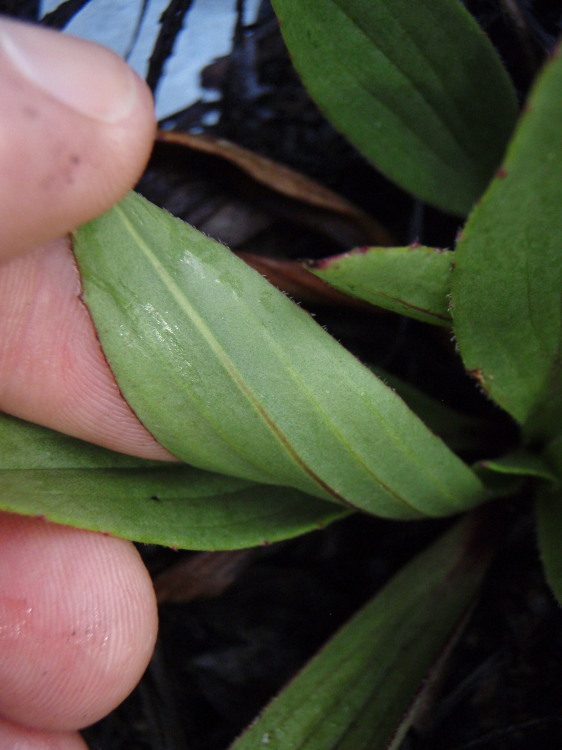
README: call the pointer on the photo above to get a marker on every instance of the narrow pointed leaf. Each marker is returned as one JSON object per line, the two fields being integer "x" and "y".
{"x": 44, "y": 473}
{"x": 521, "y": 464}
{"x": 231, "y": 376}
{"x": 549, "y": 533}
{"x": 354, "y": 693}
{"x": 415, "y": 86}
{"x": 413, "y": 281}
{"x": 507, "y": 280}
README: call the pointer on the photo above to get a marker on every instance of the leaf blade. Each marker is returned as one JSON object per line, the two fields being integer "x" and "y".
{"x": 413, "y": 281}
{"x": 72, "y": 482}
{"x": 353, "y": 694}
{"x": 181, "y": 320}
{"x": 417, "y": 87}
{"x": 520, "y": 464}
{"x": 506, "y": 298}
{"x": 461, "y": 432}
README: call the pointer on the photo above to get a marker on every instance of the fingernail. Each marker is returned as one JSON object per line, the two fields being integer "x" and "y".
{"x": 81, "y": 75}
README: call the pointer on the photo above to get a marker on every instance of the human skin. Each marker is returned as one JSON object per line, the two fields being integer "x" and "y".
{"x": 77, "y": 610}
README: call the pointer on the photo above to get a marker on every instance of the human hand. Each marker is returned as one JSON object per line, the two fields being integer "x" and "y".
{"x": 77, "y": 611}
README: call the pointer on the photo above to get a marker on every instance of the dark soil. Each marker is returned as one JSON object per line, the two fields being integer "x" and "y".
{"x": 226, "y": 649}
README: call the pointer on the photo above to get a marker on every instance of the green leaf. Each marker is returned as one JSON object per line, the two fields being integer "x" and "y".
{"x": 520, "y": 464}
{"x": 461, "y": 432}
{"x": 545, "y": 419}
{"x": 231, "y": 376}
{"x": 509, "y": 474}
{"x": 416, "y": 86}
{"x": 413, "y": 281}
{"x": 67, "y": 481}
{"x": 548, "y": 510}
{"x": 507, "y": 280}
{"x": 355, "y": 691}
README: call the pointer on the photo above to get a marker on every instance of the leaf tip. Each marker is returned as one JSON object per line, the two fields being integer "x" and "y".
{"x": 322, "y": 264}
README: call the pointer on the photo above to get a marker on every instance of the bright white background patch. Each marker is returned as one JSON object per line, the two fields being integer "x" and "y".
{"x": 207, "y": 34}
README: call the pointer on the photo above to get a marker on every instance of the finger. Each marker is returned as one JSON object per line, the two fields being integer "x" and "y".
{"x": 78, "y": 621}
{"x": 76, "y": 129}
{"x": 53, "y": 370}
{"x": 21, "y": 738}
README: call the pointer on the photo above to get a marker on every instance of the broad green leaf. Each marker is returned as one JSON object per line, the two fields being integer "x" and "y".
{"x": 356, "y": 690}
{"x": 413, "y": 281}
{"x": 231, "y": 376}
{"x": 47, "y": 474}
{"x": 549, "y": 532}
{"x": 507, "y": 280}
{"x": 416, "y": 86}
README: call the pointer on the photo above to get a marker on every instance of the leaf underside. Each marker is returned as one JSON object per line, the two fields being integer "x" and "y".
{"x": 44, "y": 473}
{"x": 507, "y": 280}
{"x": 413, "y": 281}
{"x": 416, "y": 87}
{"x": 231, "y": 376}
{"x": 355, "y": 692}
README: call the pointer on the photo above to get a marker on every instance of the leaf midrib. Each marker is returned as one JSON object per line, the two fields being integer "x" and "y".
{"x": 406, "y": 76}
{"x": 226, "y": 362}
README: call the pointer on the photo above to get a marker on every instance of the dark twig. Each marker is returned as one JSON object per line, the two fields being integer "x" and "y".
{"x": 138, "y": 26}
{"x": 26, "y": 10}
{"x": 171, "y": 23}
{"x": 63, "y": 13}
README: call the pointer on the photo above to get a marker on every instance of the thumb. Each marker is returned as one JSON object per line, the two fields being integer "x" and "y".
{"x": 76, "y": 130}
